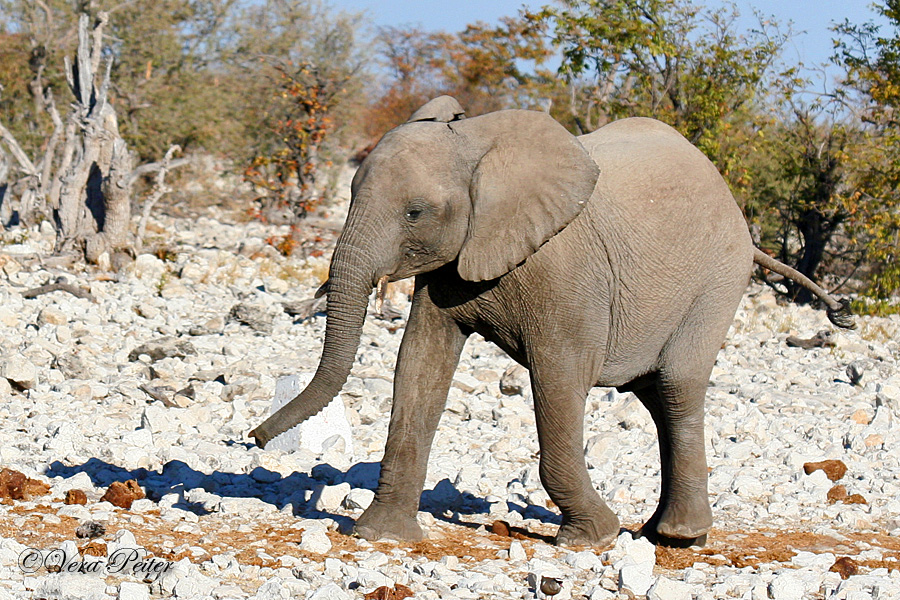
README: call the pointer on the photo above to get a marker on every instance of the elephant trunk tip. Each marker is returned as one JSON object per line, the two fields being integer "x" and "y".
{"x": 842, "y": 316}
{"x": 260, "y": 437}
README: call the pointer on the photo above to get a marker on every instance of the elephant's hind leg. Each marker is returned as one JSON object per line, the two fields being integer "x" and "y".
{"x": 559, "y": 412}
{"x": 683, "y": 516}
{"x": 676, "y": 402}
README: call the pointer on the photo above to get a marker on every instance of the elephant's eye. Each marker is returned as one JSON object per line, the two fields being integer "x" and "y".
{"x": 413, "y": 214}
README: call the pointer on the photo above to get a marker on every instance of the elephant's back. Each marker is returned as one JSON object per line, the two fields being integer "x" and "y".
{"x": 656, "y": 183}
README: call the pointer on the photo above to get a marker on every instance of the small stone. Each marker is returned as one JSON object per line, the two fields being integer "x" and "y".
{"x": 72, "y": 366}
{"x": 550, "y": 586}
{"x": 500, "y": 528}
{"x": 834, "y": 469}
{"x": 71, "y": 585}
{"x": 860, "y": 417}
{"x": 855, "y": 499}
{"x": 874, "y": 441}
{"x": 328, "y": 498}
{"x": 123, "y": 494}
{"x": 515, "y": 380}
{"x": 51, "y": 316}
{"x": 786, "y": 586}
{"x": 19, "y": 371}
{"x": 397, "y": 592}
{"x": 517, "y": 551}
{"x": 130, "y": 590}
{"x": 837, "y": 494}
{"x": 90, "y": 529}
{"x": 668, "y": 589}
{"x": 5, "y": 388}
{"x": 165, "y": 347}
{"x": 315, "y": 541}
{"x": 466, "y": 382}
{"x": 330, "y": 592}
{"x": 253, "y": 316}
{"x": 636, "y": 579}
{"x": 264, "y": 475}
{"x": 358, "y": 499}
{"x": 76, "y": 497}
{"x": 16, "y": 486}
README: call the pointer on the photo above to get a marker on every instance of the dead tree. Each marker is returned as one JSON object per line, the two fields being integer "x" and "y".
{"x": 95, "y": 196}
{"x": 4, "y": 190}
{"x": 84, "y": 178}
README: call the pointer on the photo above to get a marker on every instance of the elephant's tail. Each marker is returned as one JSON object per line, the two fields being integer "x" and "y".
{"x": 838, "y": 311}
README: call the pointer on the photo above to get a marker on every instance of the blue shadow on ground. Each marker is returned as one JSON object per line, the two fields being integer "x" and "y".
{"x": 444, "y": 500}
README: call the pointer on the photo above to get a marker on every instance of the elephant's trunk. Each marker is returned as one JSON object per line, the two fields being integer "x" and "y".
{"x": 349, "y": 286}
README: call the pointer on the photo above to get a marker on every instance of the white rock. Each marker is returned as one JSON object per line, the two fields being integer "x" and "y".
{"x": 667, "y": 589}
{"x": 358, "y": 499}
{"x": 786, "y": 586}
{"x": 71, "y": 586}
{"x": 803, "y": 559}
{"x": 315, "y": 541}
{"x": 130, "y": 590}
{"x": 635, "y": 578}
{"x": 315, "y": 431}
{"x": 330, "y": 592}
{"x": 631, "y": 551}
{"x": 517, "y": 551}
{"x": 19, "y": 370}
{"x": 328, "y": 498}
{"x": 370, "y": 578}
{"x": 515, "y": 380}
{"x": 585, "y": 560}
{"x": 194, "y": 585}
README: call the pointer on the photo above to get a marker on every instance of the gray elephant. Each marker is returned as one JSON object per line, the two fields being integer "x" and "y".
{"x": 614, "y": 259}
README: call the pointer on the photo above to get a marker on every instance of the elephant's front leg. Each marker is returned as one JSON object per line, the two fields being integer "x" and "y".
{"x": 559, "y": 412}
{"x": 427, "y": 360}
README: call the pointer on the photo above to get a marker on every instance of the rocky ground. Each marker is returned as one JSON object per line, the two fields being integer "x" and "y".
{"x": 83, "y": 405}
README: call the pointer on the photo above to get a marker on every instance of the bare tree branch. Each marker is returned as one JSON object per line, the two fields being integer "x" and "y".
{"x": 153, "y": 167}
{"x": 17, "y": 152}
{"x": 159, "y": 190}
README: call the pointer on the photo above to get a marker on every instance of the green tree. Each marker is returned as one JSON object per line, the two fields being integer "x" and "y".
{"x": 871, "y": 57}
{"x": 667, "y": 59}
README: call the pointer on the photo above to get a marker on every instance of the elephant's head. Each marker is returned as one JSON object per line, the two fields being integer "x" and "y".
{"x": 485, "y": 191}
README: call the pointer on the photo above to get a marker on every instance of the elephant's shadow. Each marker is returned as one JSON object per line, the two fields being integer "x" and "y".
{"x": 444, "y": 501}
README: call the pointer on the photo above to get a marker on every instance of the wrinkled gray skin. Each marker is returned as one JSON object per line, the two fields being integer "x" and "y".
{"x": 615, "y": 259}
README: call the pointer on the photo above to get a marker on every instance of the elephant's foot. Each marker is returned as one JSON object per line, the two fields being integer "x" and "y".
{"x": 380, "y": 522}
{"x": 679, "y": 525}
{"x": 599, "y": 530}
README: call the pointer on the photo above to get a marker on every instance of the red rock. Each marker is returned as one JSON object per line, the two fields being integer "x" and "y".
{"x": 834, "y": 469}
{"x": 398, "y": 592}
{"x": 500, "y": 528}
{"x": 15, "y": 486}
{"x": 837, "y": 494}
{"x": 845, "y": 566}
{"x": 76, "y": 497}
{"x": 123, "y": 494}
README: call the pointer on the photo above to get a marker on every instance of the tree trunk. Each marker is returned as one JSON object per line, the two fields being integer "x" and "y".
{"x": 4, "y": 186}
{"x": 94, "y": 207}
{"x": 816, "y": 231}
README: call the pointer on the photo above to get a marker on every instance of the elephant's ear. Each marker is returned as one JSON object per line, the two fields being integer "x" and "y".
{"x": 533, "y": 180}
{"x": 443, "y": 109}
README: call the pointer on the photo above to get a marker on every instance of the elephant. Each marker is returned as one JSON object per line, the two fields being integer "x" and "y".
{"x": 614, "y": 259}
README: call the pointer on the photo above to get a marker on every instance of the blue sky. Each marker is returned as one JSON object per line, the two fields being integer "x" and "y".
{"x": 811, "y": 18}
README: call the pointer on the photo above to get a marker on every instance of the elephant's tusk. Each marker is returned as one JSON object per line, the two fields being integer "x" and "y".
{"x": 380, "y": 291}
